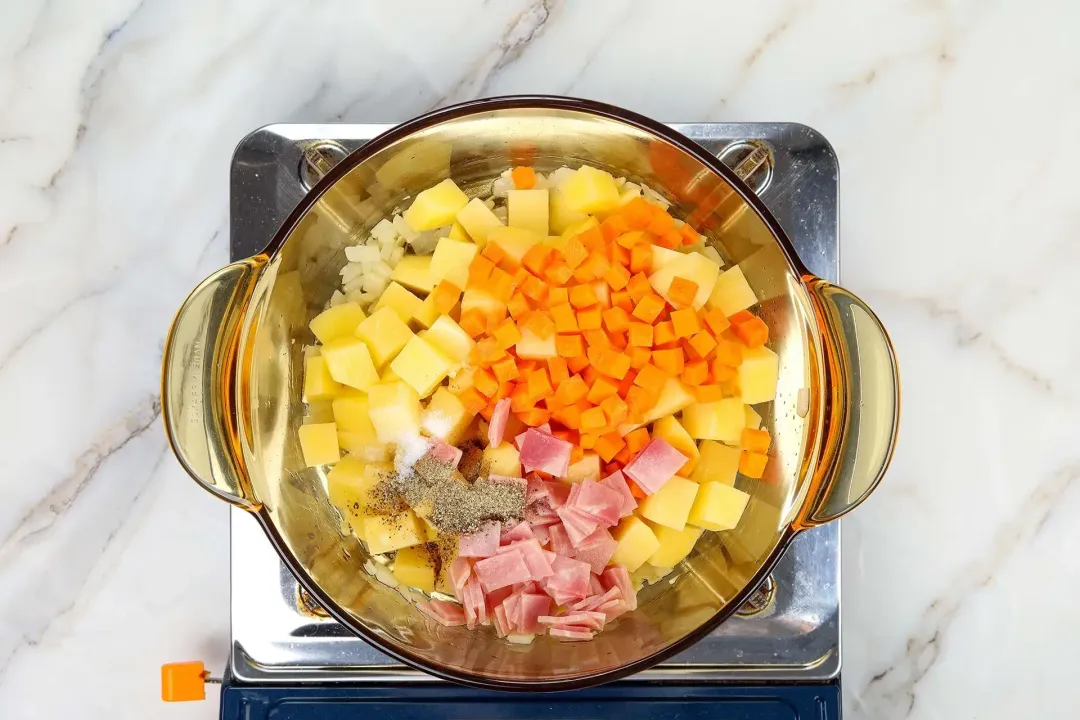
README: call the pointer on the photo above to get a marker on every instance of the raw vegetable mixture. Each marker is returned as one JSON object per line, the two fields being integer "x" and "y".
{"x": 547, "y": 401}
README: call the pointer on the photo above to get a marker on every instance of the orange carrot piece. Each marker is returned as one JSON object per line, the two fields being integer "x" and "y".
{"x": 670, "y": 239}
{"x": 670, "y": 361}
{"x": 613, "y": 227}
{"x": 639, "y": 400}
{"x": 752, "y": 464}
{"x": 524, "y": 178}
{"x": 489, "y": 351}
{"x": 445, "y": 296}
{"x": 534, "y": 417}
{"x": 708, "y": 393}
{"x": 641, "y": 334}
{"x": 496, "y": 254}
{"x": 753, "y": 331}
{"x": 565, "y": 318}
{"x": 615, "y": 409}
{"x": 608, "y": 446}
{"x": 728, "y": 353}
{"x": 622, "y": 299}
{"x": 569, "y": 416}
{"x": 638, "y": 286}
{"x": 519, "y": 398}
{"x": 690, "y": 235}
{"x": 558, "y": 296}
{"x": 638, "y": 213}
{"x": 558, "y": 371}
{"x": 596, "y": 338}
{"x": 473, "y": 322}
{"x": 505, "y": 369}
{"x": 620, "y": 255}
{"x": 722, "y": 373}
{"x": 648, "y": 308}
{"x": 685, "y": 322}
{"x": 695, "y": 373}
{"x": 664, "y": 334}
{"x": 594, "y": 353}
{"x": 601, "y": 390}
{"x": 661, "y": 222}
{"x": 592, "y": 238}
{"x": 574, "y": 252}
{"x": 593, "y": 419}
{"x": 629, "y": 239}
{"x": 651, "y": 378}
{"x": 558, "y": 272}
{"x": 577, "y": 363}
{"x": 618, "y": 340}
{"x": 640, "y": 357}
{"x": 636, "y": 440}
{"x": 536, "y": 258}
{"x": 472, "y": 399}
{"x": 640, "y": 258}
{"x": 682, "y": 291}
{"x": 500, "y": 284}
{"x": 539, "y": 323}
{"x": 534, "y": 288}
{"x": 539, "y": 384}
{"x": 616, "y": 276}
{"x": 582, "y": 296}
{"x": 616, "y": 319}
{"x": 593, "y": 268}
{"x": 702, "y": 344}
{"x": 627, "y": 381}
{"x": 716, "y": 321}
{"x": 589, "y": 319}
{"x": 755, "y": 440}
{"x": 507, "y": 334}
{"x": 572, "y": 390}
{"x": 479, "y": 271}
{"x": 635, "y": 490}
{"x": 518, "y": 306}
{"x": 484, "y": 381}
{"x": 568, "y": 346}
{"x": 614, "y": 364}
{"x": 588, "y": 440}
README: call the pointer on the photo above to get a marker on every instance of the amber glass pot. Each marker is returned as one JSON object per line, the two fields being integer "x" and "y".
{"x": 233, "y": 364}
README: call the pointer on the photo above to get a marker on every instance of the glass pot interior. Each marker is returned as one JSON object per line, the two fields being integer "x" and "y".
{"x": 301, "y": 273}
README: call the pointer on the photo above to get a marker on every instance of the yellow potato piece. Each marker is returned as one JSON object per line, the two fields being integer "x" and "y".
{"x": 503, "y": 460}
{"x": 414, "y": 272}
{"x": 670, "y": 429}
{"x": 590, "y": 190}
{"x": 722, "y": 420}
{"x": 400, "y": 300}
{"x": 758, "y": 375}
{"x": 515, "y": 241}
{"x": 478, "y": 221}
{"x": 445, "y": 416}
{"x": 386, "y": 533}
{"x": 447, "y": 337}
{"x": 414, "y": 567}
{"x": 385, "y": 334}
{"x": 670, "y": 505}
{"x": 338, "y": 321}
{"x": 585, "y": 468}
{"x": 319, "y": 444}
{"x": 716, "y": 463}
{"x": 319, "y": 384}
{"x": 450, "y": 261}
{"x": 528, "y": 210}
{"x": 395, "y": 411}
{"x": 732, "y": 293}
{"x": 636, "y": 543}
{"x": 675, "y": 545}
{"x": 436, "y": 206}
{"x": 717, "y": 506}
{"x": 421, "y": 365}
{"x": 349, "y": 362}
{"x": 532, "y": 347}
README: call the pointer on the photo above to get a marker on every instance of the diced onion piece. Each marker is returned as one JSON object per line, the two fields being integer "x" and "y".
{"x": 404, "y": 229}
{"x": 384, "y": 232}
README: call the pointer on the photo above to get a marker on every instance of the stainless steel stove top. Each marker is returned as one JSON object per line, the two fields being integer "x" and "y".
{"x": 793, "y": 635}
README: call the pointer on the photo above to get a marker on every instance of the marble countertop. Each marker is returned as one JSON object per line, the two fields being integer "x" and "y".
{"x": 955, "y": 123}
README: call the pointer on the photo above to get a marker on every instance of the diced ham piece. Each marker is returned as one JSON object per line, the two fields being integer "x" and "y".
{"x": 613, "y": 608}
{"x": 444, "y": 453}
{"x": 560, "y": 541}
{"x": 497, "y": 423}
{"x": 501, "y": 570}
{"x": 502, "y": 625}
{"x": 578, "y": 525}
{"x": 511, "y": 606}
{"x": 540, "y": 514}
{"x": 570, "y": 633}
{"x": 526, "y": 587}
{"x": 591, "y": 620}
{"x": 655, "y": 465}
{"x": 558, "y": 494}
{"x": 534, "y": 557}
{"x": 618, "y": 576}
{"x": 596, "y": 550}
{"x": 570, "y": 582}
{"x": 495, "y": 597}
{"x": 445, "y": 613}
{"x": 460, "y": 570}
{"x": 520, "y": 437}
{"x": 599, "y": 501}
{"x": 507, "y": 480}
{"x": 482, "y": 543}
{"x": 521, "y": 531}
{"x": 547, "y": 453}
{"x": 532, "y": 606}
{"x": 596, "y": 586}
{"x": 536, "y": 489}
{"x": 541, "y": 533}
{"x": 617, "y": 482}
{"x": 474, "y": 604}
{"x": 594, "y": 601}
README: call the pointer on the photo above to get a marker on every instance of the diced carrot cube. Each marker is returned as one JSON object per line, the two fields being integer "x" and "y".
{"x": 519, "y": 398}
{"x": 593, "y": 419}
{"x": 572, "y": 390}
{"x": 534, "y": 288}
{"x": 574, "y": 253}
{"x": 577, "y": 363}
{"x": 638, "y": 213}
{"x": 620, "y": 256}
{"x": 558, "y": 296}
{"x": 558, "y": 272}
{"x": 640, "y": 334}
{"x": 690, "y": 235}
{"x": 445, "y": 296}
{"x": 534, "y": 417}
{"x": 596, "y": 338}
{"x": 755, "y": 440}
{"x": 618, "y": 340}
{"x": 495, "y": 253}
{"x": 622, "y": 299}
{"x": 640, "y": 258}
{"x": 651, "y": 378}
{"x": 616, "y": 276}
{"x": 588, "y": 440}
{"x": 613, "y": 227}
{"x": 615, "y": 364}
{"x": 518, "y": 306}
{"x": 635, "y": 237}
{"x": 648, "y": 308}
{"x": 472, "y": 399}
{"x": 685, "y": 322}
{"x": 570, "y": 416}
{"x": 505, "y": 369}
{"x": 568, "y": 346}
{"x": 627, "y": 381}
{"x": 558, "y": 370}
{"x": 473, "y": 322}
{"x": 507, "y": 334}
{"x": 536, "y": 258}
{"x": 670, "y": 239}
{"x": 608, "y": 446}
{"x": 539, "y": 384}
{"x": 681, "y": 292}
{"x": 636, "y": 440}
{"x": 695, "y": 373}
{"x": 638, "y": 286}
{"x": 753, "y": 331}
{"x": 565, "y": 318}
{"x": 592, "y": 238}
{"x": 616, "y": 319}
{"x": 519, "y": 273}
{"x": 615, "y": 409}
{"x": 664, "y": 334}
{"x": 479, "y": 271}
{"x": 639, "y": 357}
{"x": 588, "y": 319}
{"x": 722, "y": 373}
{"x": 590, "y": 374}
{"x": 489, "y": 351}
{"x": 484, "y": 381}
{"x": 670, "y": 361}
{"x": 661, "y": 222}
{"x": 752, "y": 464}
{"x": 601, "y": 390}
{"x": 524, "y": 177}
{"x": 501, "y": 284}
{"x": 728, "y": 353}
{"x": 708, "y": 393}
{"x": 702, "y": 344}
{"x": 639, "y": 400}
{"x": 716, "y": 321}
{"x": 582, "y": 296}
{"x": 593, "y": 268}
{"x": 540, "y": 324}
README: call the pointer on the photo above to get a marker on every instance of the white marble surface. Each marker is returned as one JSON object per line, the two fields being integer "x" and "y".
{"x": 956, "y": 127}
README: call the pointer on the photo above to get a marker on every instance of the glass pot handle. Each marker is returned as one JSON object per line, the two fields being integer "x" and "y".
{"x": 198, "y": 382}
{"x": 862, "y": 404}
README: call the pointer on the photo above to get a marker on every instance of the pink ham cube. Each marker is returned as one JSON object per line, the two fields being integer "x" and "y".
{"x": 532, "y": 606}
{"x": 655, "y": 465}
{"x": 600, "y": 502}
{"x": 596, "y": 550}
{"x": 445, "y": 613}
{"x": 444, "y": 453}
{"x": 502, "y": 625}
{"x": 571, "y": 633}
{"x": 534, "y": 557}
{"x": 501, "y": 570}
{"x": 578, "y": 525}
{"x": 460, "y": 570}
{"x": 617, "y": 482}
{"x": 497, "y": 425}
{"x": 547, "y": 453}
{"x": 520, "y": 437}
{"x": 560, "y": 541}
{"x": 618, "y": 576}
{"x": 482, "y": 543}
{"x": 558, "y": 494}
{"x": 521, "y": 531}
{"x": 570, "y": 582}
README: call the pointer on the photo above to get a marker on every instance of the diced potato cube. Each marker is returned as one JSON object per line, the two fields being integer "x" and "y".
{"x": 431, "y": 533}
{"x": 451, "y": 259}
{"x": 351, "y": 485}
{"x": 427, "y": 313}
{"x": 692, "y": 266}
{"x": 577, "y": 228}
{"x": 532, "y": 347}
{"x": 674, "y": 396}
{"x": 457, "y": 230}
{"x": 590, "y": 190}
{"x": 528, "y": 210}
{"x": 414, "y": 272}
{"x": 318, "y": 442}
{"x": 415, "y": 568}
{"x": 662, "y": 257}
{"x": 732, "y": 293}
{"x": 400, "y": 300}
{"x": 321, "y": 411}
{"x": 319, "y": 384}
{"x": 421, "y": 365}
{"x": 588, "y": 467}
{"x": 636, "y": 543}
{"x": 753, "y": 420}
{"x": 722, "y": 420}
{"x": 478, "y": 221}
{"x": 670, "y": 505}
{"x": 560, "y": 216}
{"x": 338, "y": 321}
{"x": 385, "y": 334}
{"x": 717, "y": 463}
{"x": 395, "y": 411}
{"x": 447, "y": 337}
{"x": 675, "y": 545}
{"x": 364, "y": 447}
{"x": 461, "y": 380}
{"x": 503, "y": 460}
{"x": 436, "y": 206}
{"x": 386, "y": 533}
{"x": 671, "y": 430}
{"x": 515, "y": 241}
{"x": 758, "y": 375}
{"x": 349, "y": 361}
{"x": 445, "y": 416}
{"x": 718, "y": 506}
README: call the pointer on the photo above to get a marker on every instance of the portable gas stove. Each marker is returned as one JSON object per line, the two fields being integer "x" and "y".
{"x": 778, "y": 658}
